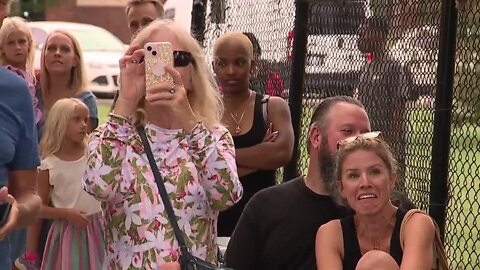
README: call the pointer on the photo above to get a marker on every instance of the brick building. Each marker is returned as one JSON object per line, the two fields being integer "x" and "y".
{"x": 109, "y": 14}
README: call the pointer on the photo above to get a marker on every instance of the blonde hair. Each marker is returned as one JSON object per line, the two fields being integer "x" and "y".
{"x": 78, "y": 80}
{"x": 56, "y": 125}
{"x": 157, "y": 4}
{"x": 375, "y": 145}
{"x": 10, "y": 25}
{"x": 204, "y": 98}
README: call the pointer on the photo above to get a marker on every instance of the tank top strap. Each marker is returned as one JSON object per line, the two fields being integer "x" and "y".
{"x": 351, "y": 248}
{"x": 395, "y": 248}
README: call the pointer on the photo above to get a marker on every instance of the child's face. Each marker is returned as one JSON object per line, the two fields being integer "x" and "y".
{"x": 77, "y": 125}
{"x": 16, "y": 48}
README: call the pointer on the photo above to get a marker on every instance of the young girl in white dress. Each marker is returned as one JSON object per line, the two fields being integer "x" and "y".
{"x": 75, "y": 240}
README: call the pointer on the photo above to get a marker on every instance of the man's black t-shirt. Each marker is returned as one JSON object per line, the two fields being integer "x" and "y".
{"x": 278, "y": 227}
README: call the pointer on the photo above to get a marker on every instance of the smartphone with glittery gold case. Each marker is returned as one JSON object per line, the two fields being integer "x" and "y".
{"x": 157, "y": 56}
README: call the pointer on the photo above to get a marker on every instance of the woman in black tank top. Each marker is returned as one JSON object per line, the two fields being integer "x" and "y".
{"x": 370, "y": 239}
{"x": 260, "y": 125}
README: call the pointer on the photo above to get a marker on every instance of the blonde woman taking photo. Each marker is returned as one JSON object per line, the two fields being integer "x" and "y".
{"x": 193, "y": 151}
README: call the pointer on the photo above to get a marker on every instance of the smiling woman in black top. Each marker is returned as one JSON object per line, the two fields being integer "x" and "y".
{"x": 370, "y": 239}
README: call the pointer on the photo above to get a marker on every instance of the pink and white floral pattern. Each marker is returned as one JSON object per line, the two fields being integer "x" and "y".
{"x": 200, "y": 176}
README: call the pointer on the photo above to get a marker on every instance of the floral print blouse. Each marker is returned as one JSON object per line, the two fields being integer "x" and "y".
{"x": 200, "y": 176}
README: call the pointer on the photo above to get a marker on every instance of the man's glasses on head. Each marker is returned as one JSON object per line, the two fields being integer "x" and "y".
{"x": 364, "y": 136}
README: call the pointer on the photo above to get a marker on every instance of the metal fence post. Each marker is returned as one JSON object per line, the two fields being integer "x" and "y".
{"x": 199, "y": 9}
{"x": 443, "y": 114}
{"x": 297, "y": 81}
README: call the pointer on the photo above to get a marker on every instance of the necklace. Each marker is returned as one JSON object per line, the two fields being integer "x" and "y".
{"x": 238, "y": 129}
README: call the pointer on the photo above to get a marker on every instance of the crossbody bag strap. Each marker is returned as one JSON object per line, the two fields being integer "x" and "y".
{"x": 406, "y": 218}
{"x": 440, "y": 260}
{"x": 161, "y": 189}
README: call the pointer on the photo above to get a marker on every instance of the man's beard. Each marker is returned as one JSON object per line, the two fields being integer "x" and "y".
{"x": 326, "y": 161}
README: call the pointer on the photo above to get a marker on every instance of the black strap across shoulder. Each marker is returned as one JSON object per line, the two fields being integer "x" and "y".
{"x": 186, "y": 257}
{"x": 161, "y": 189}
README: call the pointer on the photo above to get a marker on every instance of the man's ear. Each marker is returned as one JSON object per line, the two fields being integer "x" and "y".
{"x": 315, "y": 137}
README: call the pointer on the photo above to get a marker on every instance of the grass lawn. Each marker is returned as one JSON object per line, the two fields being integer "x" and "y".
{"x": 463, "y": 211}
{"x": 103, "y": 111}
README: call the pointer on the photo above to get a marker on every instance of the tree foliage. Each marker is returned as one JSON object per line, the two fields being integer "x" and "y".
{"x": 32, "y": 6}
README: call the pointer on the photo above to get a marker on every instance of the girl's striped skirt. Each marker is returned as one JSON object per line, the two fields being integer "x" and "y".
{"x": 73, "y": 248}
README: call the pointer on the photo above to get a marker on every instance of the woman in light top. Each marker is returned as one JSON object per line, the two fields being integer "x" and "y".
{"x": 193, "y": 151}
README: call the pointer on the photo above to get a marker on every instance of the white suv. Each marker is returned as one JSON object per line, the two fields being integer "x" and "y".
{"x": 101, "y": 51}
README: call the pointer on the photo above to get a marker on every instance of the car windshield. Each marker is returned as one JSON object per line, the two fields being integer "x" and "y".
{"x": 97, "y": 40}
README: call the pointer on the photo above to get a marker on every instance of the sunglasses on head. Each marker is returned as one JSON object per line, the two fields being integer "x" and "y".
{"x": 364, "y": 136}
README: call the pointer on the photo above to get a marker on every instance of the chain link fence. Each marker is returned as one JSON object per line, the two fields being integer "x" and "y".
{"x": 386, "y": 53}
{"x": 463, "y": 212}
{"x": 269, "y": 24}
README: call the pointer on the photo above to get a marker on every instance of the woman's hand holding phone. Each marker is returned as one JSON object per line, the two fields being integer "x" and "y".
{"x": 172, "y": 98}
{"x": 165, "y": 88}
{"x": 132, "y": 81}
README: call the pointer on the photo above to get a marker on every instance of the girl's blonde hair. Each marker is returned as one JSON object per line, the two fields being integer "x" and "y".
{"x": 56, "y": 125}
{"x": 78, "y": 79}
{"x": 9, "y": 26}
{"x": 204, "y": 98}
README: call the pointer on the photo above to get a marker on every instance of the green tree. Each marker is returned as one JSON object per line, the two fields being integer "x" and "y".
{"x": 34, "y": 7}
